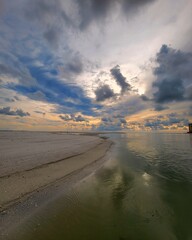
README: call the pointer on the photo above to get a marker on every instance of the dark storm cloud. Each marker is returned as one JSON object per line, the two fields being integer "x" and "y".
{"x": 113, "y": 125}
{"x": 52, "y": 36}
{"x": 18, "y": 112}
{"x": 145, "y": 98}
{"x": 79, "y": 118}
{"x": 128, "y": 5}
{"x": 75, "y": 66}
{"x": 169, "y": 90}
{"x": 173, "y": 75}
{"x": 90, "y": 10}
{"x": 122, "y": 120}
{"x": 115, "y": 122}
{"x": 104, "y": 92}
{"x": 159, "y": 107}
{"x": 65, "y": 117}
{"x": 109, "y": 124}
{"x": 79, "y": 16}
{"x": 109, "y": 120}
{"x": 50, "y": 15}
{"x": 72, "y": 117}
{"x": 120, "y": 79}
{"x": 171, "y": 120}
{"x": 106, "y": 119}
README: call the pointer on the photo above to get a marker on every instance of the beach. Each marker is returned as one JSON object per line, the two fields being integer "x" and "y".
{"x": 138, "y": 189}
{"x": 31, "y": 161}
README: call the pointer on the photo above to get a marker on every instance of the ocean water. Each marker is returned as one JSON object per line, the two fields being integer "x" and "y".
{"x": 144, "y": 191}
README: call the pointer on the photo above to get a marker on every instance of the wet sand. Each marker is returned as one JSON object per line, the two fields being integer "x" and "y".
{"x": 30, "y": 161}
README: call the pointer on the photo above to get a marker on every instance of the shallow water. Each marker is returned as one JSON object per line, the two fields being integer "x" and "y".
{"x": 143, "y": 192}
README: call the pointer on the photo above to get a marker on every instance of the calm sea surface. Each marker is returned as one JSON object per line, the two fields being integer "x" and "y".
{"x": 143, "y": 192}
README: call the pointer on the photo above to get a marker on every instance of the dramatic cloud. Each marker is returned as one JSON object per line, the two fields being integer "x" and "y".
{"x": 169, "y": 90}
{"x": 120, "y": 79}
{"x": 172, "y": 120}
{"x": 13, "y": 68}
{"x": 159, "y": 107}
{"x": 145, "y": 98}
{"x": 116, "y": 122}
{"x": 98, "y": 9}
{"x": 50, "y": 16}
{"x": 60, "y": 58}
{"x": 5, "y": 70}
{"x": 118, "y": 116}
{"x": 72, "y": 117}
{"x": 40, "y": 112}
{"x": 75, "y": 14}
{"x": 37, "y": 95}
{"x": 18, "y": 112}
{"x": 106, "y": 119}
{"x": 104, "y": 92}
{"x": 52, "y": 36}
{"x": 51, "y": 90}
{"x": 173, "y": 75}
{"x": 109, "y": 126}
{"x": 75, "y": 66}
{"x": 134, "y": 4}
{"x": 45, "y": 11}
{"x": 129, "y": 106}
{"x": 79, "y": 118}
{"x": 122, "y": 120}
{"x": 66, "y": 117}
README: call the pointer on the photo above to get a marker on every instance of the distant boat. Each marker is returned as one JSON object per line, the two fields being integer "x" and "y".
{"x": 190, "y": 128}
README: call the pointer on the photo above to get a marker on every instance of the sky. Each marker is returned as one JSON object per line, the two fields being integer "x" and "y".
{"x": 95, "y": 65}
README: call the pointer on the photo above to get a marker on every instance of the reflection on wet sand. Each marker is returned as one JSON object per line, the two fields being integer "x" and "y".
{"x": 140, "y": 193}
{"x": 137, "y": 202}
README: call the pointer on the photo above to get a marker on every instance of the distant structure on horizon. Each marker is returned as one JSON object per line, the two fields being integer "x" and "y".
{"x": 190, "y": 128}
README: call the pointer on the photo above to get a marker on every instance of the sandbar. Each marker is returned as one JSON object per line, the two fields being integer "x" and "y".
{"x": 31, "y": 161}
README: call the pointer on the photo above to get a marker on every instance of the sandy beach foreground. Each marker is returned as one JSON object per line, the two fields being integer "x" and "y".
{"x": 32, "y": 160}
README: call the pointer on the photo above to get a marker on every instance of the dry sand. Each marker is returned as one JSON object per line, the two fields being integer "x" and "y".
{"x": 30, "y": 161}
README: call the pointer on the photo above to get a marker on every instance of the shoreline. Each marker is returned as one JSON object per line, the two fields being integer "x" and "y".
{"x": 28, "y": 182}
{"x": 23, "y": 192}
